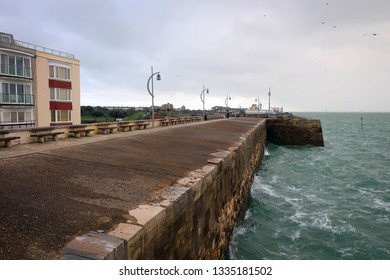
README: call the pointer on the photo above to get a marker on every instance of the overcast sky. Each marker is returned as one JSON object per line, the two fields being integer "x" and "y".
{"x": 314, "y": 55}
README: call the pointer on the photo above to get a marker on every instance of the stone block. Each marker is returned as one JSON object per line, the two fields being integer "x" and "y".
{"x": 133, "y": 235}
{"x": 145, "y": 213}
{"x": 96, "y": 246}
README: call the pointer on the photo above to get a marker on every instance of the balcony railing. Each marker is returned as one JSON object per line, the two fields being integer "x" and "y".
{"x": 16, "y": 124}
{"x": 44, "y": 49}
{"x": 18, "y": 71}
{"x": 16, "y": 99}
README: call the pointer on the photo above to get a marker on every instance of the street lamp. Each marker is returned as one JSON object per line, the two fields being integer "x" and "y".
{"x": 152, "y": 92}
{"x": 203, "y": 98}
{"x": 269, "y": 103}
{"x": 227, "y": 105}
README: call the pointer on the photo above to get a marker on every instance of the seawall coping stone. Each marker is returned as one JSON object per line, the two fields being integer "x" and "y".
{"x": 215, "y": 160}
{"x": 133, "y": 238}
{"x": 96, "y": 246}
{"x": 145, "y": 213}
{"x": 174, "y": 193}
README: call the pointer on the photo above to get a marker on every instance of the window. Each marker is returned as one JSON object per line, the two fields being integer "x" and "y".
{"x": 5, "y": 39}
{"x": 15, "y": 66}
{"x": 58, "y": 72}
{"x": 16, "y": 94}
{"x": 60, "y": 94}
{"x": 61, "y": 116}
{"x": 14, "y": 117}
{"x": 20, "y": 116}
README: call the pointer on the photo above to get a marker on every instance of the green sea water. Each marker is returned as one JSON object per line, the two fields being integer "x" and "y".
{"x": 322, "y": 203}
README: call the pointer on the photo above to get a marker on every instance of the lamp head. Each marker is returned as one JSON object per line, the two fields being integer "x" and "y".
{"x": 158, "y": 77}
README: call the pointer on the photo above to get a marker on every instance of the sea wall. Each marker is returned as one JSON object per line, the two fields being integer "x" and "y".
{"x": 193, "y": 219}
{"x": 289, "y": 130}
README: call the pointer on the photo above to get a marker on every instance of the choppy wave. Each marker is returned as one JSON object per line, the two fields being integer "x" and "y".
{"x": 322, "y": 203}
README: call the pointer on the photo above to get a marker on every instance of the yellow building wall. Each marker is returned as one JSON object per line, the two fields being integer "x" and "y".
{"x": 42, "y": 91}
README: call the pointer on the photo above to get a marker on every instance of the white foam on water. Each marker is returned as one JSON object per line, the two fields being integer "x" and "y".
{"x": 248, "y": 214}
{"x": 240, "y": 231}
{"x": 346, "y": 252}
{"x": 300, "y": 218}
{"x": 295, "y": 235}
{"x": 294, "y": 202}
{"x": 322, "y": 221}
{"x": 274, "y": 179}
{"x": 294, "y": 188}
{"x": 380, "y": 204}
{"x": 266, "y": 151}
{"x": 383, "y": 219}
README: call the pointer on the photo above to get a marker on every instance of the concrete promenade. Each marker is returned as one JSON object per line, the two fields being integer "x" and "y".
{"x": 52, "y": 192}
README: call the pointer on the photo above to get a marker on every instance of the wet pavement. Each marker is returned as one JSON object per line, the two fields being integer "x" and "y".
{"x": 52, "y": 192}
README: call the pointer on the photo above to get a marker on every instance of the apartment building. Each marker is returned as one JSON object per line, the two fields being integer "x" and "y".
{"x": 39, "y": 86}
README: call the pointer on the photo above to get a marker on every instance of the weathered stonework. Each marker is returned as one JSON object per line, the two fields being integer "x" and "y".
{"x": 194, "y": 218}
{"x": 200, "y": 211}
{"x": 294, "y": 131}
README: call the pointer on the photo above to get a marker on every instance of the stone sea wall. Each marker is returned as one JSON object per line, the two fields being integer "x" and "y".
{"x": 194, "y": 218}
{"x": 290, "y": 130}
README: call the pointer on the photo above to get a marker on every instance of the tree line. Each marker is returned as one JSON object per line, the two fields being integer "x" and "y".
{"x": 99, "y": 112}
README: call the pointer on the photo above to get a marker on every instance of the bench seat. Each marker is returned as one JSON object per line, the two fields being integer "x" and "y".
{"x": 141, "y": 124}
{"x": 41, "y": 136}
{"x": 7, "y": 140}
{"x": 77, "y": 132}
{"x": 126, "y": 127}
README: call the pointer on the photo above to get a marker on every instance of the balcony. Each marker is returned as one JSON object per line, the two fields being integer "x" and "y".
{"x": 16, "y": 99}
{"x": 16, "y": 71}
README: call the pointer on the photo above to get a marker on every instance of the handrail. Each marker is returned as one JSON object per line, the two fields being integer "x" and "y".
{"x": 44, "y": 49}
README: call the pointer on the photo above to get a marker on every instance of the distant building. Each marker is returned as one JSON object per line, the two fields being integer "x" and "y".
{"x": 166, "y": 107}
{"x": 39, "y": 86}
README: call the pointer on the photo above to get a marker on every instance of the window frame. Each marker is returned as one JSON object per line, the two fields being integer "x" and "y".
{"x": 14, "y": 65}
{"x": 56, "y": 116}
{"x": 16, "y": 92}
{"x": 54, "y": 71}
{"x": 56, "y": 93}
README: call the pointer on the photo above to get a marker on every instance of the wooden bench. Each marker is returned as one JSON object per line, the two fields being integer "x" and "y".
{"x": 184, "y": 120}
{"x": 78, "y": 130}
{"x": 196, "y": 119}
{"x": 106, "y": 128}
{"x": 141, "y": 124}
{"x": 126, "y": 126}
{"x": 164, "y": 122}
{"x": 41, "y": 133}
{"x": 7, "y": 140}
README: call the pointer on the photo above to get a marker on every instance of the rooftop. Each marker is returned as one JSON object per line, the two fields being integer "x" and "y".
{"x": 9, "y": 39}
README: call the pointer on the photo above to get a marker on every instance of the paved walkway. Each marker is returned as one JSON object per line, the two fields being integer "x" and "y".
{"x": 51, "y": 192}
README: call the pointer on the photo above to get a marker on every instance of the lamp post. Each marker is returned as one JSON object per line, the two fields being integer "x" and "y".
{"x": 227, "y": 105}
{"x": 258, "y": 106}
{"x": 269, "y": 103}
{"x": 203, "y": 99}
{"x": 152, "y": 92}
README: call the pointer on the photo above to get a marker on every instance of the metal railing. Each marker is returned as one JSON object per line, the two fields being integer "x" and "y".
{"x": 14, "y": 70}
{"x": 21, "y": 124}
{"x": 44, "y": 49}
